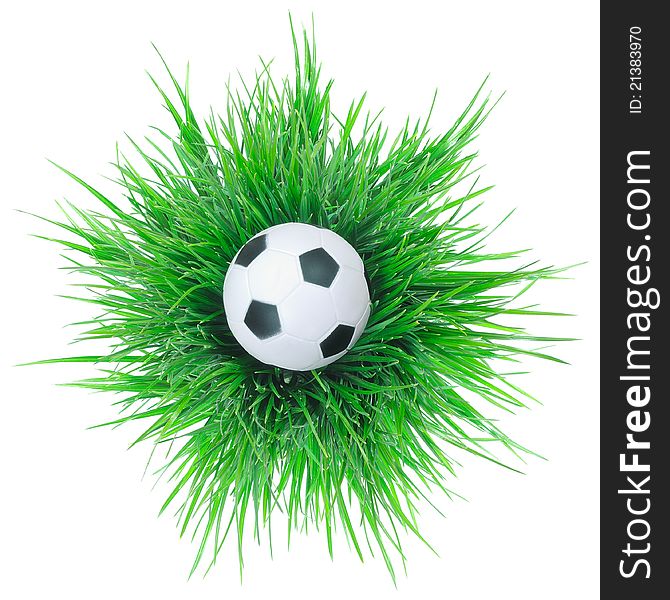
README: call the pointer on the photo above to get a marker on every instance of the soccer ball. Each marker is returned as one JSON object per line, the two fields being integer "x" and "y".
{"x": 296, "y": 296}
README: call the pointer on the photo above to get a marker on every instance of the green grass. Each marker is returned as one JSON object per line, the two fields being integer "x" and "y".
{"x": 361, "y": 443}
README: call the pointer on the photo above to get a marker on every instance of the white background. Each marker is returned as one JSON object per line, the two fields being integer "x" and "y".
{"x": 77, "y": 519}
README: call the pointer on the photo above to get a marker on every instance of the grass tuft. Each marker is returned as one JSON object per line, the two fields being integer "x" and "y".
{"x": 359, "y": 444}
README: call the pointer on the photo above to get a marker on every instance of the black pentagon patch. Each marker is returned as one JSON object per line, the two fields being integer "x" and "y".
{"x": 262, "y": 319}
{"x": 318, "y": 267}
{"x": 251, "y": 250}
{"x": 337, "y": 341}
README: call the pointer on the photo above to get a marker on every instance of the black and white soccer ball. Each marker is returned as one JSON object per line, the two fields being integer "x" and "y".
{"x": 296, "y": 296}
